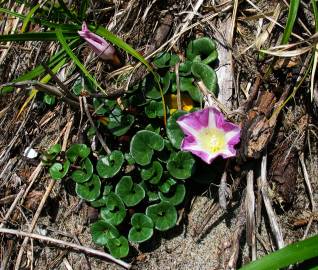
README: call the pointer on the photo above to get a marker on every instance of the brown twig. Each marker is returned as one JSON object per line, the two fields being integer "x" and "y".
{"x": 65, "y": 244}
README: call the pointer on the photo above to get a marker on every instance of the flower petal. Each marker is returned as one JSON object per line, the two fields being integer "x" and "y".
{"x": 193, "y": 122}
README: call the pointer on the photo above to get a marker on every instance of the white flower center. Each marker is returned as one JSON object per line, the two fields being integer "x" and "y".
{"x": 212, "y": 140}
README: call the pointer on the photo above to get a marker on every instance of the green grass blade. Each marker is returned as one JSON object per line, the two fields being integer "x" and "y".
{"x": 37, "y": 71}
{"x": 315, "y": 9}
{"x": 28, "y": 17}
{"x": 40, "y": 36}
{"x": 292, "y": 16}
{"x": 82, "y": 10}
{"x": 294, "y": 253}
{"x": 68, "y": 50}
{"x": 68, "y": 13}
{"x": 41, "y": 21}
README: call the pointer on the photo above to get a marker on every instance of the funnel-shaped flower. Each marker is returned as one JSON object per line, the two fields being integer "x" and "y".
{"x": 99, "y": 45}
{"x": 208, "y": 134}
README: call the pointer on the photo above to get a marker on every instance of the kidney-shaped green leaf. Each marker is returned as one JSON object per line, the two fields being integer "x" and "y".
{"x": 174, "y": 132}
{"x": 203, "y": 49}
{"x": 180, "y": 165}
{"x": 166, "y": 59}
{"x": 58, "y": 171}
{"x": 102, "y": 231}
{"x": 154, "y": 109}
{"x": 186, "y": 85}
{"x": 131, "y": 193}
{"x": 143, "y": 144}
{"x": 152, "y": 173}
{"x": 118, "y": 247}
{"x": 142, "y": 228}
{"x": 51, "y": 153}
{"x": 164, "y": 215}
{"x": 77, "y": 150}
{"x": 175, "y": 196}
{"x": 108, "y": 166}
{"x": 86, "y": 172}
{"x": 114, "y": 211}
{"x": 89, "y": 190}
{"x": 207, "y": 75}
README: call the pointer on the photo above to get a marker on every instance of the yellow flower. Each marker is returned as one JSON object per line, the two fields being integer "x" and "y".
{"x": 186, "y": 103}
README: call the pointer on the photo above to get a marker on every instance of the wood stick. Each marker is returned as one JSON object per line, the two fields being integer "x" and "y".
{"x": 66, "y": 244}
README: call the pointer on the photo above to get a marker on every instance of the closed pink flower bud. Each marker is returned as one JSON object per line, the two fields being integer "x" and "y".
{"x": 99, "y": 45}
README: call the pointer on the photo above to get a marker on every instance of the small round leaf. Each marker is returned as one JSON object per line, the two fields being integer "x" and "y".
{"x": 180, "y": 165}
{"x": 154, "y": 109}
{"x": 114, "y": 211}
{"x": 108, "y": 166}
{"x": 177, "y": 196}
{"x": 203, "y": 49}
{"x": 58, "y": 171}
{"x": 142, "y": 228}
{"x": 166, "y": 60}
{"x": 90, "y": 190}
{"x": 77, "y": 150}
{"x": 152, "y": 173}
{"x": 118, "y": 247}
{"x": 186, "y": 85}
{"x": 143, "y": 144}
{"x": 174, "y": 132}
{"x": 163, "y": 214}
{"x": 207, "y": 75}
{"x": 131, "y": 193}
{"x": 86, "y": 172}
{"x": 102, "y": 231}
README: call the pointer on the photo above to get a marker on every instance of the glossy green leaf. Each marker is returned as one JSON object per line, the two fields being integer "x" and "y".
{"x": 185, "y": 68}
{"x": 291, "y": 254}
{"x": 108, "y": 166}
{"x": 186, "y": 85}
{"x": 167, "y": 184}
{"x": 174, "y": 132}
{"x": 114, "y": 211}
{"x": 175, "y": 196}
{"x": 207, "y": 75}
{"x": 164, "y": 215}
{"x": 130, "y": 192}
{"x": 152, "y": 173}
{"x": 118, "y": 247}
{"x": 143, "y": 144}
{"x": 102, "y": 231}
{"x": 49, "y": 99}
{"x": 154, "y": 109}
{"x": 152, "y": 90}
{"x": 89, "y": 190}
{"x": 119, "y": 122}
{"x": 58, "y": 171}
{"x": 202, "y": 49}
{"x": 142, "y": 228}
{"x": 99, "y": 202}
{"x": 51, "y": 153}
{"x": 166, "y": 59}
{"x": 85, "y": 173}
{"x": 77, "y": 151}
{"x": 180, "y": 165}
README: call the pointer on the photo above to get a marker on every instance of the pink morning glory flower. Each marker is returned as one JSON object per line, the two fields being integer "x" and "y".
{"x": 99, "y": 45}
{"x": 208, "y": 134}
